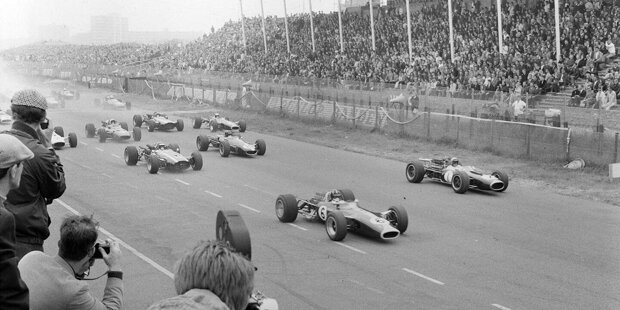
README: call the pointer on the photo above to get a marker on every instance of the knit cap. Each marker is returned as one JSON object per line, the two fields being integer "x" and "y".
{"x": 30, "y": 98}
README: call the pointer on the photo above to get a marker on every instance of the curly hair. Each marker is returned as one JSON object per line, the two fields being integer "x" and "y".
{"x": 214, "y": 266}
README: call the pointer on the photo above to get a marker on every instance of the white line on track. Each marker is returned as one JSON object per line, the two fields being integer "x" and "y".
{"x": 127, "y": 246}
{"x": 115, "y": 155}
{"x": 182, "y": 182}
{"x": 259, "y": 190}
{"x": 213, "y": 194}
{"x": 99, "y": 149}
{"x": 500, "y": 307}
{"x": 249, "y": 208}
{"x": 350, "y": 247}
{"x": 367, "y": 287}
{"x": 106, "y": 175}
{"x": 297, "y": 226}
{"x": 83, "y": 143}
{"x": 423, "y": 276}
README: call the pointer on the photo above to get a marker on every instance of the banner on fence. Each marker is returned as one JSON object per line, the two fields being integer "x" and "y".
{"x": 324, "y": 109}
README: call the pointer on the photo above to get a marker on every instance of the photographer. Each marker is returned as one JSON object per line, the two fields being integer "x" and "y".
{"x": 55, "y": 282}
{"x": 211, "y": 276}
{"x": 43, "y": 177}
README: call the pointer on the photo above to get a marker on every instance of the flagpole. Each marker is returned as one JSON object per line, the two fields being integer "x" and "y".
{"x": 340, "y": 27}
{"x": 288, "y": 44}
{"x": 372, "y": 26}
{"x": 262, "y": 12}
{"x": 311, "y": 26}
{"x": 409, "y": 33}
{"x": 242, "y": 25}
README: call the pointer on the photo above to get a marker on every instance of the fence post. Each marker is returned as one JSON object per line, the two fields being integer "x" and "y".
{"x": 616, "y": 149}
{"x": 298, "y": 99}
{"x": 528, "y": 142}
{"x": 354, "y": 116}
{"x": 377, "y": 123}
{"x": 428, "y": 123}
{"x": 334, "y": 111}
{"x": 458, "y": 129}
{"x": 281, "y": 99}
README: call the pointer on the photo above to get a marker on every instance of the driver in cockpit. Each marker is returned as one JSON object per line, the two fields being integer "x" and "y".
{"x": 334, "y": 195}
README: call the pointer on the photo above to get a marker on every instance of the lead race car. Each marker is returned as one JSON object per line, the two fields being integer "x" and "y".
{"x": 110, "y": 102}
{"x": 160, "y": 155}
{"x": 341, "y": 213}
{"x": 157, "y": 121}
{"x": 59, "y": 140}
{"x": 231, "y": 142}
{"x": 111, "y": 129}
{"x": 450, "y": 171}
{"x": 217, "y": 122}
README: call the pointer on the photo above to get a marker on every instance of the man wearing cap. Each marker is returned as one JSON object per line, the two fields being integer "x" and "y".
{"x": 43, "y": 178}
{"x": 13, "y": 291}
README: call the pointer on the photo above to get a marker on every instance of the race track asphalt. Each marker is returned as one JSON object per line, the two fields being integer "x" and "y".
{"x": 522, "y": 249}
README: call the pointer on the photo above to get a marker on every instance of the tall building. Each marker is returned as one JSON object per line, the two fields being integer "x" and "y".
{"x": 108, "y": 29}
{"x": 53, "y": 33}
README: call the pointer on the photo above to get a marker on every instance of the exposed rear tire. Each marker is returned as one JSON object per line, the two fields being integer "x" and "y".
{"x": 151, "y": 126}
{"x": 213, "y": 126}
{"x": 286, "y": 208}
{"x": 137, "y": 120}
{"x": 196, "y": 161}
{"x": 202, "y": 143}
{"x": 137, "y": 134}
{"x": 415, "y": 172}
{"x": 180, "y": 125}
{"x": 460, "y": 182}
{"x": 336, "y": 225}
{"x": 397, "y": 215}
{"x": 224, "y": 148}
{"x": 90, "y": 130}
{"x": 131, "y": 155}
{"x": 73, "y": 139}
{"x": 242, "y": 126}
{"x": 59, "y": 131}
{"x": 261, "y": 147}
{"x": 502, "y": 177}
{"x": 152, "y": 164}
{"x": 197, "y": 123}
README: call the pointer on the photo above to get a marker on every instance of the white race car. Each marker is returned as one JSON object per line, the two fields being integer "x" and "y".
{"x": 59, "y": 140}
{"x": 52, "y": 102}
{"x": 110, "y": 102}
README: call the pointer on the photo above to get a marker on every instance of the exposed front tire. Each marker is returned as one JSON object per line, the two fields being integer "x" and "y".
{"x": 336, "y": 225}
{"x": 224, "y": 148}
{"x": 180, "y": 125}
{"x": 241, "y": 126}
{"x": 90, "y": 130}
{"x": 460, "y": 182}
{"x": 137, "y": 120}
{"x": 137, "y": 134}
{"x": 196, "y": 161}
{"x": 202, "y": 143}
{"x": 151, "y": 126}
{"x": 102, "y": 135}
{"x": 397, "y": 216}
{"x": 502, "y": 177}
{"x": 197, "y": 123}
{"x": 73, "y": 139}
{"x": 261, "y": 147}
{"x": 152, "y": 165}
{"x": 286, "y": 208}
{"x": 415, "y": 172}
{"x": 213, "y": 126}
{"x": 59, "y": 131}
{"x": 131, "y": 155}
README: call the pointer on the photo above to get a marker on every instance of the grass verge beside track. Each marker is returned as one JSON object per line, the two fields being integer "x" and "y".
{"x": 590, "y": 183}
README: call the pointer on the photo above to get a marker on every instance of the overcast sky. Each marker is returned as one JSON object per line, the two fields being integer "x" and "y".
{"x": 21, "y": 18}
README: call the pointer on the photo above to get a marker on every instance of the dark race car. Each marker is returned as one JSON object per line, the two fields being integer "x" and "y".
{"x": 160, "y": 155}
{"x": 59, "y": 140}
{"x": 157, "y": 121}
{"x": 110, "y": 102}
{"x": 217, "y": 122}
{"x": 341, "y": 212}
{"x": 111, "y": 129}
{"x": 450, "y": 171}
{"x": 231, "y": 142}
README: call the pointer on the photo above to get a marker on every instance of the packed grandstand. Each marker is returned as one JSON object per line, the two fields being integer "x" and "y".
{"x": 526, "y": 63}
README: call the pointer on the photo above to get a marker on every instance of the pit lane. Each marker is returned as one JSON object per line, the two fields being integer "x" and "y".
{"x": 523, "y": 249}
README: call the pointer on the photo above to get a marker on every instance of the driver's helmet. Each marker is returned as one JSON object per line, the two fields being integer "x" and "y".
{"x": 161, "y": 146}
{"x": 112, "y": 121}
{"x": 454, "y": 161}
{"x": 217, "y": 115}
{"x": 336, "y": 195}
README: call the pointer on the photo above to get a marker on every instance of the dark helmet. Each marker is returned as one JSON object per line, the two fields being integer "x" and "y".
{"x": 336, "y": 194}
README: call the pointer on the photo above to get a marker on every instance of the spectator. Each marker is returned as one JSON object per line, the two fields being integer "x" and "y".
{"x": 43, "y": 177}
{"x": 611, "y": 100}
{"x": 576, "y": 96}
{"x": 519, "y": 107}
{"x": 55, "y": 282}
{"x": 13, "y": 291}
{"x": 210, "y": 276}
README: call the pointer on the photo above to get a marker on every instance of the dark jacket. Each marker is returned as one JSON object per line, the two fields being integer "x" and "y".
{"x": 13, "y": 291}
{"x": 43, "y": 179}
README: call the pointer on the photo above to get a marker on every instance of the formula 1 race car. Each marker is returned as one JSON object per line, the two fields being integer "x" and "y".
{"x": 157, "y": 121}
{"x": 66, "y": 94}
{"x": 341, "y": 213}
{"x": 111, "y": 129}
{"x": 113, "y": 103}
{"x": 217, "y": 122}
{"x": 450, "y": 171}
{"x": 52, "y": 102}
{"x": 59, "y": 140}
{"x": 160, "y": 155}
{"x": 231, "y": 142}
